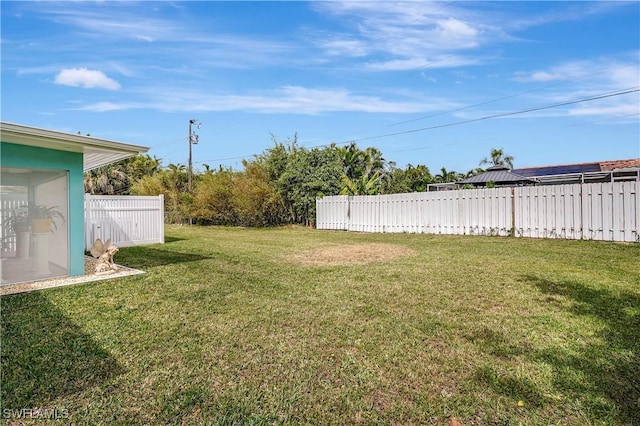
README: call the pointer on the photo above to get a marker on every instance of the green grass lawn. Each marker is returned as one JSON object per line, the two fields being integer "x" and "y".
{"x": 232, "y": 326}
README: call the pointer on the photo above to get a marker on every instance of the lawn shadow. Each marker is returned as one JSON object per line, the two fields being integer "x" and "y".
{"x": 45, "y": 356}
{"x": 612, "y": 369}
{"x": 502, "y": 380}
{"x": 168, "y": 239}
{"x": 142, "y": 257}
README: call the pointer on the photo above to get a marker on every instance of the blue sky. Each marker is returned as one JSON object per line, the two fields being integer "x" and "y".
{"x": 332, "y": 71}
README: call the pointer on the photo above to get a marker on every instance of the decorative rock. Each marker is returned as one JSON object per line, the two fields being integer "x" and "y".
{"x": 104, "y": 252}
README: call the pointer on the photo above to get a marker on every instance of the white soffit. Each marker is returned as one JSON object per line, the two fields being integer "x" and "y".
{"x": 96, "y": 152}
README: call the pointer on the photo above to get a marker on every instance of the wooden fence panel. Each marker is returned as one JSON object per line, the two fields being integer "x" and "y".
{"x": 125, "y": 220}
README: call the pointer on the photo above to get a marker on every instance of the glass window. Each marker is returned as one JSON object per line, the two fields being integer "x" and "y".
{"x": 34, "y": 207}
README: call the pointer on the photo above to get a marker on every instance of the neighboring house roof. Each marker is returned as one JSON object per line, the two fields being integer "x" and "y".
{"x": 607, "y": 166}
{"x": 563, "y": 169}
{"x": 498, "y": 175}
{"x": 566, "y": 169}
{"x": 96, "y": 152}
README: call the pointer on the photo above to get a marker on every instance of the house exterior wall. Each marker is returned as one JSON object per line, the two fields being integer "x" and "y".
{"x": 14, "y": 155}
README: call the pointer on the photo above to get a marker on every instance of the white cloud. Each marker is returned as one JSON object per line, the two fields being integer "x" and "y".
{"x": 599, "y": 70}
{"x": 409, "y": 35}
{"x": 103, "y": 107}
{"x": 89, "y": 79}
{"x": 144, "y": 38}
{"x": 345, "y": 47}
{"x": 114, "y": 23}
{"x": 402, "y": 35}
{"x": 583, "y": 79}
{"x": 544, "y": 76}
{"x": 565, "y": 71}
{"x": 622, "y": 109}
{"x": 453, "y": 28}
{"x": 294, "y": 100}
{"x": 194, "y": 40}
{"x": 449, "y": 61}
{"x": 283, "y": 100}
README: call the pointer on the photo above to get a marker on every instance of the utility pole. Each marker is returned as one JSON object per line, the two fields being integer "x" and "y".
{"x": 193, "y": 139}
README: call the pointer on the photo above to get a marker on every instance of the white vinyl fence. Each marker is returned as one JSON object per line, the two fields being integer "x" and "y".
{"x": 125, "y": 219}
{"x": 8, "y": 203}
{"x": 596, "y": 211}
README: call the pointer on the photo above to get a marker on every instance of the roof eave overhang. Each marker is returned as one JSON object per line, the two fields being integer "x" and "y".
{"x": 96, "y": 152}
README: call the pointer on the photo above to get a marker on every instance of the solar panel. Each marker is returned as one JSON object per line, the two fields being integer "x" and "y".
{"x": 558, "y": 170}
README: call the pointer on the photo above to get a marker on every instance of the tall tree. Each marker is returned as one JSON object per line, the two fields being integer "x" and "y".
{"x": 367, "y": 184}
{"x": 498, "y": 158}
{"x": 446, "y": 176}
{"x": 213, "y": 198}
{"x": 411, "y": 179}
{"x": 255, "y": 199}
{"x": 117, "y": 178}
{"x": 140, "y": 165}
{"x": 356, "y": 161}
{"x": 363, "y": 171}
{"x": 107, "y": 180}
{"x": 352, "y": 160}
{"x": 172, "y": 182}
{"x": 472, "y": 173}
{"x": 307, "y": 175}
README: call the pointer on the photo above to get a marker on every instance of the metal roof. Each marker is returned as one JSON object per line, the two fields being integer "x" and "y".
{"x": 96, "y": 152}
{"x": 497, "y": 174}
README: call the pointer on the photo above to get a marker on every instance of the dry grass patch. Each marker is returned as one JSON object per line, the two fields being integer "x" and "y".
{"x": 351, "y": 254}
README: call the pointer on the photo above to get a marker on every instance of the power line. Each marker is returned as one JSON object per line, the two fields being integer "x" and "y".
{"x": 513, "y": 95}
{"x": 169, "y": 142}
{"x": 427, "y": 147}
{"x": 458, "y": 123}
{"x": 488, "y": 117}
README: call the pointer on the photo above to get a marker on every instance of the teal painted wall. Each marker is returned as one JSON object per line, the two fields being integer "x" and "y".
{"x": 13, "y": 155}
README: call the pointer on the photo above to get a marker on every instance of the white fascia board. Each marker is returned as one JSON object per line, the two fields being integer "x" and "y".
{"x": 97, "y": 152}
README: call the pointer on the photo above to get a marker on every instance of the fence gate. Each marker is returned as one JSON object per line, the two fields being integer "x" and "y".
{"x": 126, "y": 220}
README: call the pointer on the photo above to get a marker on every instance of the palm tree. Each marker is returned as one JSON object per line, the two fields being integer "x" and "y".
{"x": 106, "y": 180}
{"x": 498, "y": 158}
{"x": 446, "y": 176}
{"x": 117, "y": 178}
{"x": 176, "y": 176}
{"x": 373, "y": 157}
{"x": 363, "y": 171}
{"x": 207, "y": 169}
{"x": 367, "y": 184}
{"x": 474, "y": 172}
{"x": 141, "y": 165}
{"x": 352, "y": 159}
